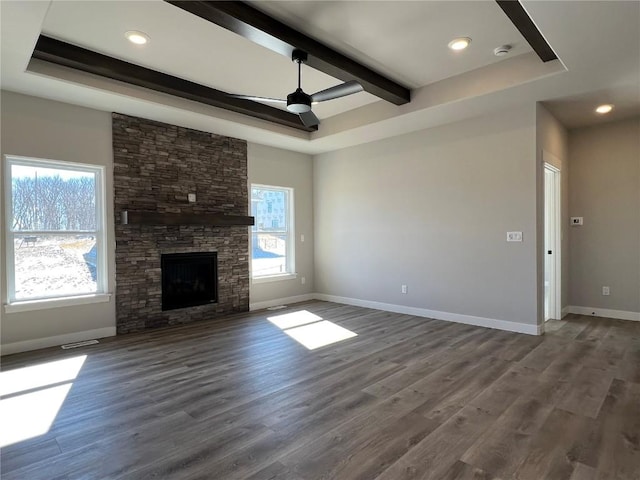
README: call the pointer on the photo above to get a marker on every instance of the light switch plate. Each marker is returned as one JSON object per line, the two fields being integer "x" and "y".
{"x": 514, "y": 236}
{"x": 576, "y": 221}
{"x": 191, "y": 197}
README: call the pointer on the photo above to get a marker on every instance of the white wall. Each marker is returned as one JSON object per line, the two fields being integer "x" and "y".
{"x": 431, "y": 210}
{"x": 40, "y": 128}
{"x": 283, "y": 168}
{"x": 605, "y": 190}
{"x": 553, "y": 138}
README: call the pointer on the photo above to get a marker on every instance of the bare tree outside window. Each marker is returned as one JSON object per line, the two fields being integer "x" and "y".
{"x": 55, "y": 236}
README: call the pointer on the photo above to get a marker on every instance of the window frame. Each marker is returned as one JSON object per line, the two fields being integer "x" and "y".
{"x": 100, "y": 232}
{"x": 290, "y": 236}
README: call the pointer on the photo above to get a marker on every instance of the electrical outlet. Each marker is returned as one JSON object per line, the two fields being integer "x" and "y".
{"x": 303, "y": 280}
{"x": 514, "y": 236}
{"x": 191, "y": 197}
{"x": 302, "y": 238}
{"x": 403, "y": 289}
{"x": 606, "y": 291}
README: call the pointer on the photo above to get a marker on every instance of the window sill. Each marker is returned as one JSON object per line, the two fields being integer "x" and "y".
{"x": 274, "y": 278}
{"x": 47, "y": 303}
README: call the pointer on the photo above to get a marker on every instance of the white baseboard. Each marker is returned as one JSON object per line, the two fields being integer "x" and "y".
{"x": 446, "y": 316}
{"x": 565, "y": 312}
{"x": 604, "y": 312}
{"x": 282, "y": 301}
{"x": 38, "y": 343}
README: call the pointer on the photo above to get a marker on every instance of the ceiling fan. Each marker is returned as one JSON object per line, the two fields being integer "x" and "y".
{"x": 300, "y": 102}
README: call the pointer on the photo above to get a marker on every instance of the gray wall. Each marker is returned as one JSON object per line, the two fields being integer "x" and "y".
{"x": 40, "y": 128}
{"x": 46, "y": 129}
{"x": 605, "y": 190}
{"x": 428, "y": 209}
{"x": 552, "y": 137}
{"x": 431, "y": 210}
{"x": 283, "y": 168}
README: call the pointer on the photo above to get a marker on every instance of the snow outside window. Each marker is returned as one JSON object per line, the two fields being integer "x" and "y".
{"x": 55, "y": 229}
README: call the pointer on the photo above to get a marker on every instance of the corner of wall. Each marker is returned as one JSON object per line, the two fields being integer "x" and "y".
{"x": 552, "y": 137}
{"x": 285, "y": 168}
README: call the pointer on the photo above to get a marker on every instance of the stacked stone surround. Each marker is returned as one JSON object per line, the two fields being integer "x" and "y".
{"x": 155, "y": 167}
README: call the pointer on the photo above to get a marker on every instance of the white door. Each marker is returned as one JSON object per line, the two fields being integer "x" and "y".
{"x": 552, "y": 242}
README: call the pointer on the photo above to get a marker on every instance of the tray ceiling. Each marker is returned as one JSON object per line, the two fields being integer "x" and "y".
{"x": 598, "y": 51}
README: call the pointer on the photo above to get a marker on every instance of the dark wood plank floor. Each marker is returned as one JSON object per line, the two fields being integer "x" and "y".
{"x": 407, "y": 398}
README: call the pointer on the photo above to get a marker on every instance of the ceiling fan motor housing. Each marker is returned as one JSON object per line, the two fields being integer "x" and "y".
{"x": 298, "y": 102}
{"x": 299, "y": 55}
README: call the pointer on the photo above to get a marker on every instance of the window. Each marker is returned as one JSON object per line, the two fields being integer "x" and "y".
{"x": 55, "y": 231}
{"x": 272, "y": 245}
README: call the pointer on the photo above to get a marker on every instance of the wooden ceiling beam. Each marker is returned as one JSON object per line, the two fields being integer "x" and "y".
{"x": 521, "y": 20}
{"x": 68, "y": 55}
{"x": 260, "y": 28}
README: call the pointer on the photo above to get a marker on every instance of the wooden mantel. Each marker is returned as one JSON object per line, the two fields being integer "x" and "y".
{"x": 211, "y": 219}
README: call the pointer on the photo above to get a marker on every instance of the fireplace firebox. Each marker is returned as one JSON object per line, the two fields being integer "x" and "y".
{"x": 189, "y": 279}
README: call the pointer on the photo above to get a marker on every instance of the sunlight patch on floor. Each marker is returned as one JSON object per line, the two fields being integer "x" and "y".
{"x": 33, "y": 396}
{"x": 319, "y": 334}
{"x": 37, "y": 376}
{"x": 31, "y": 414}
{"x": 310, "y": 330}
{"x": 294, "y": 319}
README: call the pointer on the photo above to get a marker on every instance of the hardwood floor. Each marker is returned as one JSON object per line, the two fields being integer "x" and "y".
{"x": 407, "y": 398}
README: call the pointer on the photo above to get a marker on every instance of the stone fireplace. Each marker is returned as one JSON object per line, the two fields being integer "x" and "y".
{"x": 156, "y": 167}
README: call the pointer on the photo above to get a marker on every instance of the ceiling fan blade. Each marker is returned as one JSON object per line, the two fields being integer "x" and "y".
{"x": 309, "y": 119}
{"x": 258, "y": 99}
{"x": 342, "y": 90}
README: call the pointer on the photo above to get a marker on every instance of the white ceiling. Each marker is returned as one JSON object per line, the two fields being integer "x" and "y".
{"x": 405, "y": 40}
{"x": 577, "y": 111}
{"x": 188, "y": 47}
{"x": 598, "y": 44}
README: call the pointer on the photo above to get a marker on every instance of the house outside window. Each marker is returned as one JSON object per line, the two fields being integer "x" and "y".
{"x": 55, "y": 229}
{"x": 272, "y": 236}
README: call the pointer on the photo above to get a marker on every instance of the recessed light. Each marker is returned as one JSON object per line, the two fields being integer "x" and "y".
{"x": 602, "y": 109}
{"x": 139, "y": 38}
{"x": 459, "y": 43}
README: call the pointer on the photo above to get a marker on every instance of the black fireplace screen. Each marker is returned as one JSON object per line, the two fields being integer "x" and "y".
{"x": 189, "y": 279}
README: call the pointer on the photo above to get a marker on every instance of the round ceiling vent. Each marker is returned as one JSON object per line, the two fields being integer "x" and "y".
{"x": 502, "y": 50}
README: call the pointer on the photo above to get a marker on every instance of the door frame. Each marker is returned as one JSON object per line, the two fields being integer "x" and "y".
{"x": 555, "y": 210}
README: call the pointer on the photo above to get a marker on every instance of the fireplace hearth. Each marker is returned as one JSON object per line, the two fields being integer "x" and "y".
{"x": 189, "y": 279}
